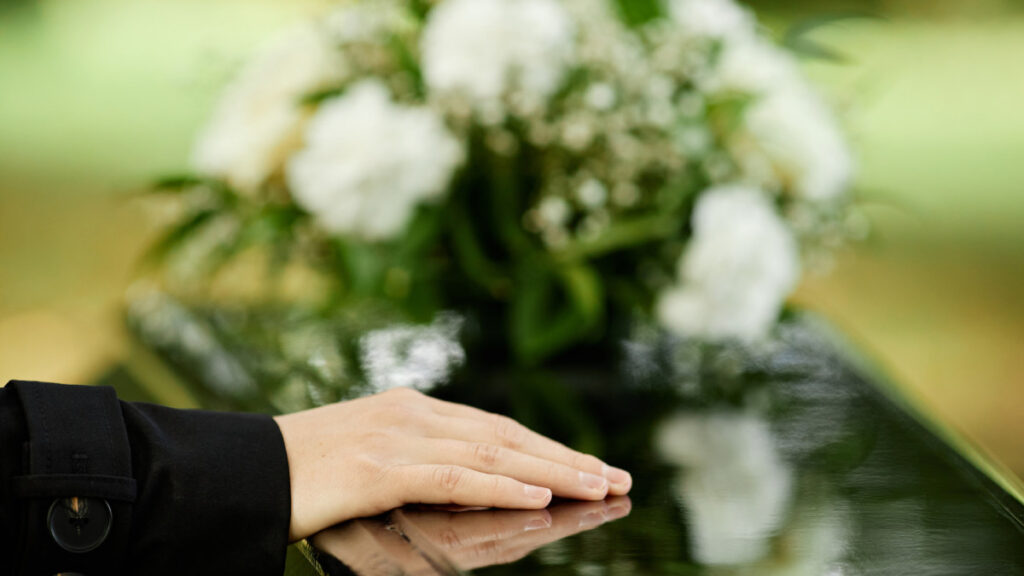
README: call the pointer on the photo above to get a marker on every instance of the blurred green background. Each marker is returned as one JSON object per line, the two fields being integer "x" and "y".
{"x": 98, "y": 96}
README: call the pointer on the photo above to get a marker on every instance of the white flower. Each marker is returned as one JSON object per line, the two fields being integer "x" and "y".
{"x": 486, "y": 49}
{"x": 601, "y": 96}
{"x": 794, "y": 132}
{"x": 741, "y": 264}
{"x": 713, "y": 19}
{"x": 368, "y": 162}
{"x": 753, "y": 66}
{"x": 259, "y": 119}
{"x": 364, "y": 22}
{"x": 789, "y": 138}
{"x": 734, "y": 487}
{"x": 553, "y": 211}
{"x": 592, "y": 194}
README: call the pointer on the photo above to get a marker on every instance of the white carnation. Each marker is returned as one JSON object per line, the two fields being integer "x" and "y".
{"x": 741, "y": 264}
{"x": 713, "y": 19}
{"x": 368, "y": 162}
{"x": 259, "y": 119}
{"x": 735, "y": 488}
{"x": 789, "y": 138}
{"x": 485, "y": 49}
{"x": 795, "y": 133}
{"x": 753, "y": 66}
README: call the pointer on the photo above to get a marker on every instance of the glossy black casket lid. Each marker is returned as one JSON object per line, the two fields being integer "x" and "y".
{"x": 796, "y": 460}
{"x": 794, "y": 464}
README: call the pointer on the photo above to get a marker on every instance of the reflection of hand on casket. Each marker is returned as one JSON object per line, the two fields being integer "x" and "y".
{"x": 468, "y": 539}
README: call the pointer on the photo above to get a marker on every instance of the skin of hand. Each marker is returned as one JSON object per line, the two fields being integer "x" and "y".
{"x": 367, "y": 456}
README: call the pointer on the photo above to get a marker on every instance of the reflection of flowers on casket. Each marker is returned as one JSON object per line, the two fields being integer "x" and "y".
{"x": 734, "y": 487}
{"x": 545, "y": 156}
{"x": 737, "y": 271}
{"x": 419, "y": 357}
{"x": 367, "y": 162}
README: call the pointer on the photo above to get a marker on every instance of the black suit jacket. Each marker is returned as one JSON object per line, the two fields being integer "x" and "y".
{"x": 148, "y": 490}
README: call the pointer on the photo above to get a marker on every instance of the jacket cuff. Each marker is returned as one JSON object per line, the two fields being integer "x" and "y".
{"x": 215, "y": 484}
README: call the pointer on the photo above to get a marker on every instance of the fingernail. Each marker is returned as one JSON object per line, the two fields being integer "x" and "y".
{"x": 617, "y": 511}
{"x": 617, "y": 476}
{"x": 537, "y": 493}
{"x": 539, "y": 523}
{"x": 591, "y": 520}
{"x": 592, "y": 482}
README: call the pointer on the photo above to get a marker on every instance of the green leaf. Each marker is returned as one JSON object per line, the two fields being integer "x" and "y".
{"x": 179, "y": 183}
{"x": 586, "y": 293}
{"x": 315, "y": 98}
{"x": 409, "y": 63}
{"x": 272, "y": 227}
{"x": 178, "y": 235}
{"x": 364, "y": 268}
{"x": 639, "y": 12}
{"x": 727, "y": 112}
{"x": 553, "y": 308}
{"x": 421, "y": 234}
{"x": 622, "y": 234}
{"x": 797, "y": 38}
{"x": 473, "y": 261}
{"x": 506, "y": 208}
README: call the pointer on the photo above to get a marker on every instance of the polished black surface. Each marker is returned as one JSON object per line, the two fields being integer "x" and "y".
{"x": 778, "y": 462}
{"x": 784, "y": 460}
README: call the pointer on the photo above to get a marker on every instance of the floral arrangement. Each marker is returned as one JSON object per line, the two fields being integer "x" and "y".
{"x": 554, "y": 166}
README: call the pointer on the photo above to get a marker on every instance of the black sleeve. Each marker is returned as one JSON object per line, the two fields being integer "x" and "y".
{"x": 192, "y": 492}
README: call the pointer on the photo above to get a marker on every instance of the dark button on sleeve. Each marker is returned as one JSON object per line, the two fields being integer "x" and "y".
{"x": 107, "y": 487}
{"x": 80, "y": 525}
{"x": 76, "y": 487}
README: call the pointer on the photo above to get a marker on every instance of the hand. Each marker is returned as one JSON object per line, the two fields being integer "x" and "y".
{"x": 368, "y": 456}
{"x": 469, "y": 540}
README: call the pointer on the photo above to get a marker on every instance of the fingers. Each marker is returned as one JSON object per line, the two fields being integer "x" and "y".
{"x": 563, "y": 480}
{"x": 450, "y": 484}
{"x": 482, "y": 427}
{"x": 470, "y": 424}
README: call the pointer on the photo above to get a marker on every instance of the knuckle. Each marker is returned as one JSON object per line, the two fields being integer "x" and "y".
{"x": 376, "y": 439}
{"x": 509, "y": 555}
{"x": 552, "y": 473}
{"x": 511, "y": 433}
{"x": 449, "y": 478}
{"x": 372, "y": 469}
{"x": 496, "y": 486}
{"x": 486, "y": 455}
{"x": 400, "y": 396}
{"x": 586, "y": 462}
{"x": 450, "y": 539}
{"x": 404, "y": 392}
{"x": 487, "y": 552}
{"x": 395, "y": 413}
